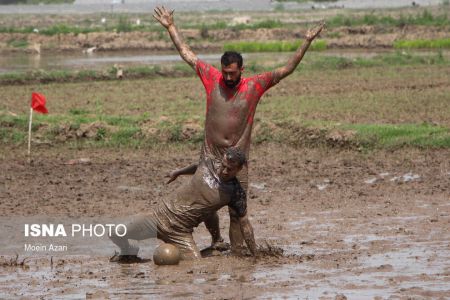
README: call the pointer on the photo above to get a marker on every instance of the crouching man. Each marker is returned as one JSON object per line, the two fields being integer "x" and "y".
{"x": 174, "y": 218}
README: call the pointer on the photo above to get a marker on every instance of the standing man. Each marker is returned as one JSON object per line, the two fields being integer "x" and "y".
{"x": 231, "y": 102}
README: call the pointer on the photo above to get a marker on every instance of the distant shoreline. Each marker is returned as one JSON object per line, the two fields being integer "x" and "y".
{"x": 139, "y": 6}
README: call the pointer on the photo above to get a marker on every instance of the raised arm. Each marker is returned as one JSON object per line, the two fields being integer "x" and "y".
{"x": 165, "y": 17}
{"x": 293, "y": 62}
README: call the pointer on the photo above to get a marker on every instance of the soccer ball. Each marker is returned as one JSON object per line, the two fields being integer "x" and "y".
{"x": 166, "y": 254}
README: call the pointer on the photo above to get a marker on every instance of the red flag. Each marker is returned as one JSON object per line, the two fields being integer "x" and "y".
{"x": 38, "y": 103}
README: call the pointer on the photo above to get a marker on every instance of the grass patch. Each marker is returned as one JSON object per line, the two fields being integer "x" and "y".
{"x": 405, "y": 135}
{"x": 390, "y": 59}
{"x": 418, "y": 44}
{"x": 120, "y": 131}
{"x": 18, "y": 43}
{"x": 65, "y": 29}
{"x": 126, "y": 23}
{"x": 379, "y": 103}
{"x": 81, "y": 128}
{"x": 425, "y": 18}
{"x": 276, "y": 46}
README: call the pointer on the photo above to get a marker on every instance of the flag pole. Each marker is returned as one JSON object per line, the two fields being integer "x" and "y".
{"x": 29, "y": 135}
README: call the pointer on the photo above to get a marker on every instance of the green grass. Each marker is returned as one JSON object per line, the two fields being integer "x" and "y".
{"x": 359, "y": 136}
{"x": 128, "y": 132}
{"x": 418, "y": 44}
{"x": 125, "y": 23}
{"x": 276, "y": 46}
{"x": 425, "y": 18}
{"x": 405, "y": 135}
{"x": 389, "y": 59}
{"x": 18, "y": 43}
{"x": 110, "y": 131}
{"x": 381, "y": 104}
{"x": 64, "y": 29}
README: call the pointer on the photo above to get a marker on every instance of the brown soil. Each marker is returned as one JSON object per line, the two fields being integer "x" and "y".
{"x": 351, "y": 225}
{"x": 213, "y": 40}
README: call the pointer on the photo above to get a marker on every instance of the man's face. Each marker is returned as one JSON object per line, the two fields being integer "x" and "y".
{"x": 229, "y": 169}
{"x": 231, "y": 74}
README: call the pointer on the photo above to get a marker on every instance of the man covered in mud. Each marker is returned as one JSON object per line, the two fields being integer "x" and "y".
{"x": 174, "y": 218}
{"x": 231, "y": 102}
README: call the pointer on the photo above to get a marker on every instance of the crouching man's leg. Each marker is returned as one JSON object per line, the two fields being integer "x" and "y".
{"x": 212, "y": 224}
{"x": 140, "y": 228}
{"x": 236, "y": 237}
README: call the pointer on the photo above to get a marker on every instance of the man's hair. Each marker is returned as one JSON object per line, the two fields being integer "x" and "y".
{"x": 236, "y": 155}
{"x": 230, "y": 57}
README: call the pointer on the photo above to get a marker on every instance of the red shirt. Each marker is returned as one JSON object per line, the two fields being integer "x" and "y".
{"x": 230, "y": 111}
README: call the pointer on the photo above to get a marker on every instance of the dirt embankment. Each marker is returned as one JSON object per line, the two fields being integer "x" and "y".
{"x": 213, "y": 40}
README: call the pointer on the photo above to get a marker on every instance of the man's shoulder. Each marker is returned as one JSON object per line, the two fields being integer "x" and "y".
{"x": 206, "y": 70}
{"x": 201, "y": 64}
{"x": 269, "y": 75}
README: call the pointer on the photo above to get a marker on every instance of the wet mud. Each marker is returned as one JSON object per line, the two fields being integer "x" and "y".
{"x": 334, "y": 224}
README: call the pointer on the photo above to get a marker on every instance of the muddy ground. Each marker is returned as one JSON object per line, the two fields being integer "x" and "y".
{"x": 370, "y": 37}
{"x": 356, "y": 225}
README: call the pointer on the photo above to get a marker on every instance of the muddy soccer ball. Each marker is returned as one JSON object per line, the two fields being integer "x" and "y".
{"x": 166, "y": 254}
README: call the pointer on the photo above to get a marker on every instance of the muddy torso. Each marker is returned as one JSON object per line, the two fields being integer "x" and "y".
{"x": 229, "y": 112}
{"x": 194, "y": 202}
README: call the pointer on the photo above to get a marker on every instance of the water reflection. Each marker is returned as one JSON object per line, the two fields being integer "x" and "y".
{"x": 19, "y": 62}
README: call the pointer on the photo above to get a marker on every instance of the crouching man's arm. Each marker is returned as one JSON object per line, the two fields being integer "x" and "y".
{"x": 247, "y": 232}
{"x": 189, "y": 170}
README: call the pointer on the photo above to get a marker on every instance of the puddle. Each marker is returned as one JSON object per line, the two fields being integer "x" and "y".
{"x": 21, "y": 62}
{"x": 406, "y": 178}
{"x": 300, "y": 223}
{"x": 385, "y": 263}
{"x": 377, "y": 275}
{"x": 371, "y": 180}
{"x": 258, "y": 186}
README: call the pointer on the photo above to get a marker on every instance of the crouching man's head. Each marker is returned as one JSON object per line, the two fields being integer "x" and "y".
{"x": 232, "y": 162}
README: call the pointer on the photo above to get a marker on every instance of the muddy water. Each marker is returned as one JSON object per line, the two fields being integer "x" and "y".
{"x": 382, "y": 256}
{"x": 19, "y": 62}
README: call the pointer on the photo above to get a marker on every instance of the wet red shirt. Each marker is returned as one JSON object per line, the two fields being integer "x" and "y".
{"x": 229, "y": 111}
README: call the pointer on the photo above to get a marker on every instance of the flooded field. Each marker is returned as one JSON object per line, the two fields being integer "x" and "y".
{"x": 16, "y": 62}
{"x": 355, "y": 220}
{"x": 383, "y": 240}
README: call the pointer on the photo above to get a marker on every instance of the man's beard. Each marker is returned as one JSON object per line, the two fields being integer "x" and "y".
{"x": 233, "y": 83}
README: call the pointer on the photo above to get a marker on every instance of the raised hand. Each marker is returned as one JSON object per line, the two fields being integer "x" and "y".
{"x": 163, "y": 16}
{"x": 314, "y": 32}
